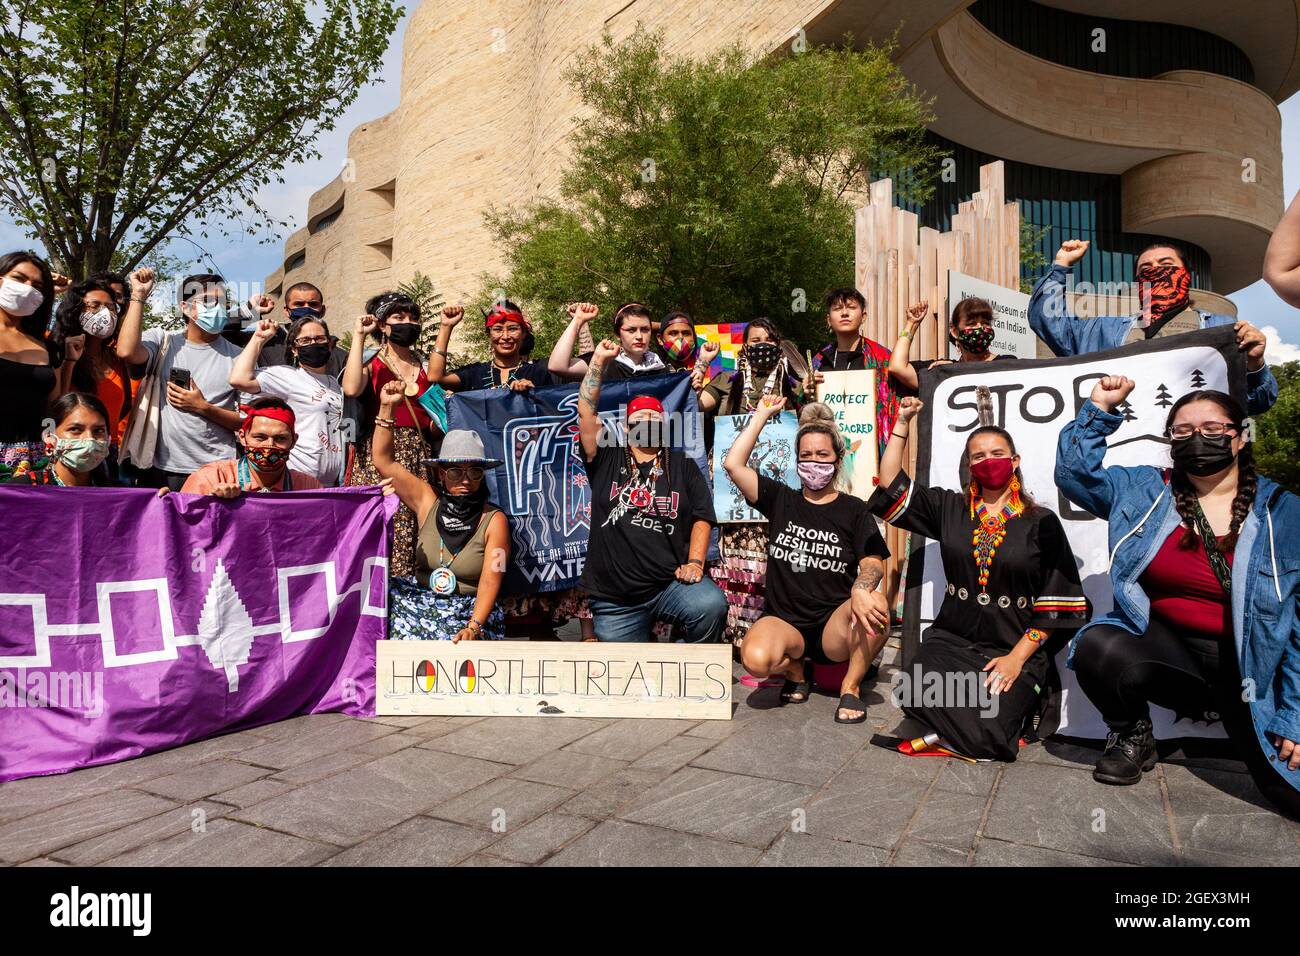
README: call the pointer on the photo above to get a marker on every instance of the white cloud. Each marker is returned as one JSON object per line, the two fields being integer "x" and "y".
{"x": 1277, "y": 352}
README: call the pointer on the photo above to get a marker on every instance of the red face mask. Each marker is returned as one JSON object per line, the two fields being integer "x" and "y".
{"x": 993, "y": 472}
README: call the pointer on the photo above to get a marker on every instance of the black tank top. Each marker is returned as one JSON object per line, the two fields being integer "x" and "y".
{"x": 24, "y": 398}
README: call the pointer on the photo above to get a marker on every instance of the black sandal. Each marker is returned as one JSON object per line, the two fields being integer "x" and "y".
{"x": 803, "y": 687}
{"x": 850, "y": 702}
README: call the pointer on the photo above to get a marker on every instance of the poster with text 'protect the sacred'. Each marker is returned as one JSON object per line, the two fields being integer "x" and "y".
{"x": 852, "y": 398}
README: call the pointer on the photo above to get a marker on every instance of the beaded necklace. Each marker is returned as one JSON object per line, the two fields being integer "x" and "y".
{"x": 991, "y": 530}
{"x": 639, "y": 491}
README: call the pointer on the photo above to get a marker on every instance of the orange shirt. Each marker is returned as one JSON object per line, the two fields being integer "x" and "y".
{"x": 115, "y": 397}
{"x": 207, "y": 478}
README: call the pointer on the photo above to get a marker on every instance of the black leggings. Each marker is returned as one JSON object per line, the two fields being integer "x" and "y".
{"x": 1193, "y": 676}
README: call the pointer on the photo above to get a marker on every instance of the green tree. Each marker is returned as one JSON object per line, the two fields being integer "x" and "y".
{"x": 122, "y": 124}
{"x": 1277, "y": 431}
{"x": 724, "y": 187}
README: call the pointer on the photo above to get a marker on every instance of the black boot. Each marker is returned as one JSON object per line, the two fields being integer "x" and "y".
{"x": 1128, "y": 754}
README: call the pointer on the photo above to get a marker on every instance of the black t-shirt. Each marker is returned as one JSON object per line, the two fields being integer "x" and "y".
{"x": 850, "y": 361}
{"x": 487, "y": 375}
{"x": 813, "y": 551}
{"x": 636, "y": 556}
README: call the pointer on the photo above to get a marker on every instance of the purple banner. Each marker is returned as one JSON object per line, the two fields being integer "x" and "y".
{"x": 131, "y": 624}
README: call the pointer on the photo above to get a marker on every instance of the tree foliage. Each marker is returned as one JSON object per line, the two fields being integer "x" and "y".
{"x": 124, "y": 122}
{"x": 725, "y": 187}
{"x": 1277, "y": 431}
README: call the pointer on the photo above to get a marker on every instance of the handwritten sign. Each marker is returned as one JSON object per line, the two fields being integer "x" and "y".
{"x": 553, "y": 679}
{"x": 852, "y": 397}
{"x": 774, "y": 456}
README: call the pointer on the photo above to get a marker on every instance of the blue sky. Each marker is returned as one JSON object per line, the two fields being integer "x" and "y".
{"x": 245, "y": 260}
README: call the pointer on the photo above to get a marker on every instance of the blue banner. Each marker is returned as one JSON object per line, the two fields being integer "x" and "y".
{"x": 542, "y": 485}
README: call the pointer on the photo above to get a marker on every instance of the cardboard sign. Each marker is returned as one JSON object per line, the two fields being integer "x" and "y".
{"x": 773, "y": 456}
{"x": 852, "y": 397}
{"x": 553, "y": 679}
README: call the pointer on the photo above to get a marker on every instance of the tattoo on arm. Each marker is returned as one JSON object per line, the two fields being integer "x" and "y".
{"x": 589, "y": 390}
{"x": 869, "y": 579}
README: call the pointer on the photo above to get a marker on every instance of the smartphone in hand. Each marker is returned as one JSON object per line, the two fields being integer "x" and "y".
{"x": 180, "y": 377}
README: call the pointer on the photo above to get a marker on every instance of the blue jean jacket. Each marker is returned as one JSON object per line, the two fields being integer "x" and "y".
{"x": 1050, "y": 318}
{"x": 1139, "y": 506}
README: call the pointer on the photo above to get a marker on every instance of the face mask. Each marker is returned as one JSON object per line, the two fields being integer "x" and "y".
{"x": 100, "y": 324}
{"x": 763, "y": 356}
{"x": 19, "y": 298}
{"x": 647, "y": 433}
{"x": 80, "y": 454}
{"x": 976, "y": 339}
{"x": 210, "y": 317}
{"x": 1201, "y": 456}
{"x": 404, "y": 334}
{"x": 1163, "y": 290}
{"x": 993, "y": 472}
{"x": 267, "y": 459}
{"x": 314, "y": 355}
{"x": 816, "y": 475}
{"x": 303, "y": 312}
{"x": 679, "y": 350}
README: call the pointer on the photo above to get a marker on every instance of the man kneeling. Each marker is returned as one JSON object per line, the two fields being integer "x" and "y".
{"x": 824, "y": 565}
{"x": 651, "y": 514}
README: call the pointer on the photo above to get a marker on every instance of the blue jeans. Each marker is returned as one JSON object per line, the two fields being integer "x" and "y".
{"x": 699, "y": 610}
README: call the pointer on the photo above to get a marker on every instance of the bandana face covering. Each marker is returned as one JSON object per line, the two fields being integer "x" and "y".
{"x": 648, "y": 433}
{"x": 763, "y": 356}
{"x": 458, "y": 516}
{"x": 1163, "y": 290}
{"x": 80, "y": 454}
{"x": 816, "y": 475}
{"x": 975, "y": 340}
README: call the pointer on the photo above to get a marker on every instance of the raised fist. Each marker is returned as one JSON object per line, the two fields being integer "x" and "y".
{"x": 1071, "y": 251}
{"x": 909, "y": 408}
{"x": 452, "y": 314}
{"x": 606, "y": 350}
{"x": 1108, "y": 393}
{"x": 265, "y": 330}
{"x": 142, "y": 282}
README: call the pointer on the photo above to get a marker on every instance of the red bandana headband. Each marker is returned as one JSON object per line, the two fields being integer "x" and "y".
{"x": 643, "y": 402}
{"x": 276, "y": 414}
{"x": 499, "y": 314}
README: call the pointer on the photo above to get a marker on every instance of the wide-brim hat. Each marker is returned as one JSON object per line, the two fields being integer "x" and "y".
{"x": 461, "y": 446}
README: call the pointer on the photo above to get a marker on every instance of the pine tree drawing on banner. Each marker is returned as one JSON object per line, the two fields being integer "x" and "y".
{"x": 1198, "y": 380}
{"x": 1163, "y": 398}
{"x": 1126, "y": 410}
{"x": 225, "y": 629}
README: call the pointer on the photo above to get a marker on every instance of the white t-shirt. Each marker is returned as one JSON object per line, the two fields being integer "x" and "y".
{"x": 187, "y": 442}
{"x": 317, "y": 403}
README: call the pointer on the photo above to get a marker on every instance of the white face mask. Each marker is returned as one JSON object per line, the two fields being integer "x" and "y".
{"x": 100, "y": 324}
{"x": 19, "y": 298}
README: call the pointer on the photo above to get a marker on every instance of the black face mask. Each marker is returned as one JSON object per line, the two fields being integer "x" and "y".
{"x": 314, "y": 355}
{"x": 1201, "y": 456}
{"x": 648, "y": 433}
{"x": 404, "y": 334}
{"x": 763, "y": 356}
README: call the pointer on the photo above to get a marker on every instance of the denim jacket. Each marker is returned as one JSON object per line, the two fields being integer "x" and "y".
{"x": 1139, "y": 505}
{"x": 1050, "y": 318}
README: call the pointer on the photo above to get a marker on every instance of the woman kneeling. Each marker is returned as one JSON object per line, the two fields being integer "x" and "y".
{"x": 824, "y": 565}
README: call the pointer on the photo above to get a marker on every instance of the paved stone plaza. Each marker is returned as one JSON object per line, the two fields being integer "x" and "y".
{"x": 773, "y": 786}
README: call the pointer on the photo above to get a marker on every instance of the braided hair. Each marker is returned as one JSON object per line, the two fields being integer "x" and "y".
{"x": 1185, "y": 498}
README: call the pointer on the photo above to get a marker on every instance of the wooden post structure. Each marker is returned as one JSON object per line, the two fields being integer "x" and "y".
{"x": 895, "y": 264}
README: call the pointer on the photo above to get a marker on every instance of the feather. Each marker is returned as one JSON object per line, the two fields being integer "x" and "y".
{"x": 795, "y": 360}
{"x": 984, "y": 405}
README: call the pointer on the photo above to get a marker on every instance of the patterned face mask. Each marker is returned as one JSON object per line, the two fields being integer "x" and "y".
{"x": 679, "y": 350}
{"x": 975, "y": 339}
{"x": 1163, "y": 290}
{"x": 80, "y": 454}
{"x": 763, "y": 356}
{"x": 267, "y": 459}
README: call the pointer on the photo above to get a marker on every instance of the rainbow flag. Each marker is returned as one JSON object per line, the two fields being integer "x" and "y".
{"x": 730, "y": 339}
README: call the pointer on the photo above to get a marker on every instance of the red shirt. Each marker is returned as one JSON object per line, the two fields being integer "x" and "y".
{"x": 1183, "y": 590}
{"x": 381, "y": 375}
